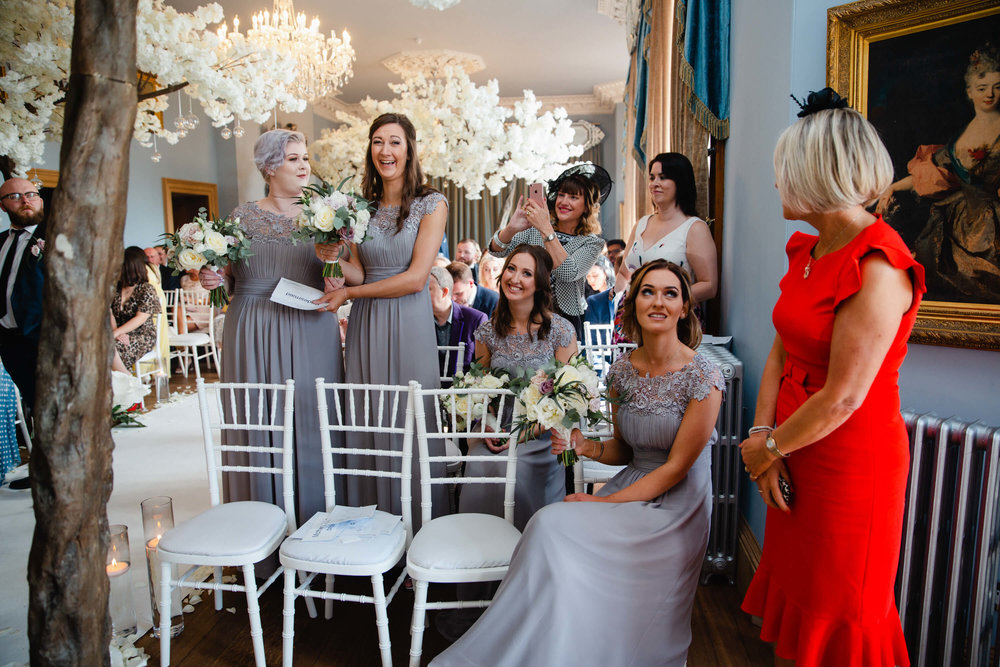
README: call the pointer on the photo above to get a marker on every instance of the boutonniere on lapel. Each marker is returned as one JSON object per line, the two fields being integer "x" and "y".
{"x": 38, "y": 248}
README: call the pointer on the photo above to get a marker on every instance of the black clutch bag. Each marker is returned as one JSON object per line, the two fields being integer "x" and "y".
{"x": 786, "y": 490}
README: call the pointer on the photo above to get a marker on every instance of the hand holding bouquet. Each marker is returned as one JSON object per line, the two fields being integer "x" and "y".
{"x": 330, "y": 216}
{"x": 560, "y": 396}
{"x": 468, "y": 409}
{"x": 207, "y": 242}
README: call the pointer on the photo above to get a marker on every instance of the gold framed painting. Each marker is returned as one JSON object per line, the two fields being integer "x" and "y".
{"x": 926, "y": 73}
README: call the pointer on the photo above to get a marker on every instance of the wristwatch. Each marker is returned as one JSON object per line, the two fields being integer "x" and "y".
{"x": 550, "y": 237}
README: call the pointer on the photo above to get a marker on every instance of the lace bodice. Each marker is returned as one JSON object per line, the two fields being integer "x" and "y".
{"x": 664, "y": 395}
{"x": 264, "y": 226}
{"x": 523, "y": 350}
{"x": 384, "y": 220}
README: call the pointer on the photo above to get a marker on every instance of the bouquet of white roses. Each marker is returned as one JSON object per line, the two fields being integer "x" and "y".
{"x": 330, "y": 215}
{"x": 467, "y": 409}
{"x": 560, "y": 396}
{"x": 207, "y": 242}
{"x": 126, "y": 391}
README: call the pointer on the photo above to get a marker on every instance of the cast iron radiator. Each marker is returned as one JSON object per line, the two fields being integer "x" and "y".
{"x": 727, "y": 464}
{"x": 947, "y": 582}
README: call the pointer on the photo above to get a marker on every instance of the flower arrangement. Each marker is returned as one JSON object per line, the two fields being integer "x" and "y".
{"x": 467, "y": 409}
{"x": 126, "y": 391}
{"x": 207, "y": 242}
{"x": 560, "y": 396}
{"x": 330, "y": 215}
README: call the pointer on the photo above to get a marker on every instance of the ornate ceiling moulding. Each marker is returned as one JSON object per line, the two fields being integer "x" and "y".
{"x": 575, "y": 105}
{"x": 616, "y": 9}
{"x": 328, "y": 107}
{"x": 611, "y": 93}
{"x": 432, "y": 63}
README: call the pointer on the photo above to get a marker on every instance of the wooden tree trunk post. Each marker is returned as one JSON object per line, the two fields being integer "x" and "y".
{"x": 68, "y": 620}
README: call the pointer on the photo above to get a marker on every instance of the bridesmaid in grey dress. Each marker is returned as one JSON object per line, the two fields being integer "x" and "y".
{"x": 531, "y": 336}
{"x": 634, "y": 550}
{"x": 267, "y": 342}
{"x": 390, "y": 333}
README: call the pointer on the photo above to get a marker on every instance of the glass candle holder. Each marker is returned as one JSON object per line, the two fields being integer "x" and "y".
{"x": 158, "y": 518}
{"x": 119, "y": 569}
{"x": 162, "y": 386}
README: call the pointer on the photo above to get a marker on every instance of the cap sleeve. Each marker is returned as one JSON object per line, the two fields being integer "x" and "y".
{"x": 886, "y": 241}
{"x": 425, "y": 205}
{"x": 705, "y": 376}
{"x": 486, "y": 335}
{"x": 148, "y": 302}
{"x": 619, "y": 372}
{"x": 562, "y": 333}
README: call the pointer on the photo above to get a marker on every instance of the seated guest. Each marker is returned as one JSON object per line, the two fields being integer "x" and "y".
{"x": 615, "y": 248}
{"x": 454, "y": 322}
{"x": 442, "y": 261}
{"x": 157, "y": 256}
{"x": 132, "y": 308}
{"x": 600, "y": 308}
{"x": 468, "y": 252}
{"x": 489, "y": 271}
{"x": 597, "y": 279}
{"x": 634, "y": 549}
{"x": 467, "y": 293}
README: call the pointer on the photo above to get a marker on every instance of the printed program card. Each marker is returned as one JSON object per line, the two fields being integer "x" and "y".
{"x": 295, "y": 295}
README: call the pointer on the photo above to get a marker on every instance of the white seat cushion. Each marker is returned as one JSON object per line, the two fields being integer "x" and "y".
{"x": 365, "y": 551}
{"x": 231, "y": 529}
{"x": 463, "y": 542}
{"x": 189, "y": 339}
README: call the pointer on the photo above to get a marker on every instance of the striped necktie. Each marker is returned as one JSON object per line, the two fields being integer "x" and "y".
{"x": 8, "y": 265}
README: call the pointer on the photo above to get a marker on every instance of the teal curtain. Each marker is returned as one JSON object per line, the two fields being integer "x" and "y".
{"x": 703, "y": 43}
{"x": 641, "y": 82}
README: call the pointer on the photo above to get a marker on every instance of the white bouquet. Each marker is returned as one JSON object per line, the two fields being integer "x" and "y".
{"x": 207, "y": 242}
{"x": 560, "y": 396}
{"x": 467, "y": 409}
{"x": 330, "y": 215}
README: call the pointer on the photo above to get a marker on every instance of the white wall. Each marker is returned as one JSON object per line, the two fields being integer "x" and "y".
{"x": 778, "y": 48}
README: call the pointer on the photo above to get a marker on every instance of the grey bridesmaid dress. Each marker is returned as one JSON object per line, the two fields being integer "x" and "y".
{"x": 267, "y": 342}
{"x": 635, "y": 564}
{"x": 541, "y": 479}
{"x": 392, "y": 341}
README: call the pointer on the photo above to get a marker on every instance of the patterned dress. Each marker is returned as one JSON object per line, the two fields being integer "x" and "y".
{"x": 392, "y": 341}
{"x": 267, "y": 342}
{"x": 143, "y": 338}
{"x": 541, "y": 479}
{"x": 637, "y": 563}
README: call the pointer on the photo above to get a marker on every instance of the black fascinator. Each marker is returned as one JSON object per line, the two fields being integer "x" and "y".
{"x": 820, "y": 100}
{"x": 598, "y": 177}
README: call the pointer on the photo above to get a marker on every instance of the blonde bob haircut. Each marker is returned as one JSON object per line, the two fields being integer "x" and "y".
{"x": 831, "y": 160}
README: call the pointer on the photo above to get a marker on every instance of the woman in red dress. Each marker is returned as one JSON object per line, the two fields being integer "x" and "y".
{"x": 827, "y": 419}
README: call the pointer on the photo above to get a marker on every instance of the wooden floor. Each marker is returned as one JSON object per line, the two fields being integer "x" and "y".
{"x": 723, "y": 636}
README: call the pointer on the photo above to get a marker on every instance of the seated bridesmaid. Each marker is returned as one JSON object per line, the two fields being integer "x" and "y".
{"x": 523, "y": 334}
{"x": 634, "y": 550}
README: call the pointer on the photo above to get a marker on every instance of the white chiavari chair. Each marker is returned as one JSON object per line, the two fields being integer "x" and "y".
{"x": 240, "y": 533}
{"x": 357, "y": 408}
{"x": 449, "y": 357}
{"x": 465, "y": 547}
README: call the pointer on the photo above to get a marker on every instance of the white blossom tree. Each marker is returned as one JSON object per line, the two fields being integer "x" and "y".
{"x": 463, "y": 134}
{"x": 227, "y": 75}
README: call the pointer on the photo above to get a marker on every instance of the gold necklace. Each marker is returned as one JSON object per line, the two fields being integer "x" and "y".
{"x": 833, "y": 245}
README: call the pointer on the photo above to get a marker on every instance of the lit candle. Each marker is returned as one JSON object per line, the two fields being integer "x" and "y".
{"x": 117, "y": 569}
{"x": 153, "y": 542}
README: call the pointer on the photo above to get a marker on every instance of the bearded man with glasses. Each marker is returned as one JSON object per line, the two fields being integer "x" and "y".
{"x": 21, "y": 251}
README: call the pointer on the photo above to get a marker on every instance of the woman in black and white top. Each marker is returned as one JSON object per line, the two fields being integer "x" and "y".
{"x": 567, "y": 228}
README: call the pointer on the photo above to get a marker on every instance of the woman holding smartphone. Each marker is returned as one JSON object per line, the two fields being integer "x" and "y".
{"x": 567, "y": 228}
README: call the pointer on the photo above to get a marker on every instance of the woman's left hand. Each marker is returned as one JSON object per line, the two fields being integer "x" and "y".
{"x": 332, "y": 301}
{"x": 329, "y": 252}
{"x": 331, "y": 284}
{"x": 122, "y": 338}
{"x": 583, "y": 498}
{"x": 756, "y": 458}
{"x": 770, "y": 489}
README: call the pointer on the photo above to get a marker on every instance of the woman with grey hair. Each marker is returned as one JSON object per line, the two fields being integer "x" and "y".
{"x": 268, "y": 342}
{"x": 828, "y": 449}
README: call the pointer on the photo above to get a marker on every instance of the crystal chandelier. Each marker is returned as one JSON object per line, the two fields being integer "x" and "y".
{"x": 434, "y": 4}
{"x": 323, "y": 63}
